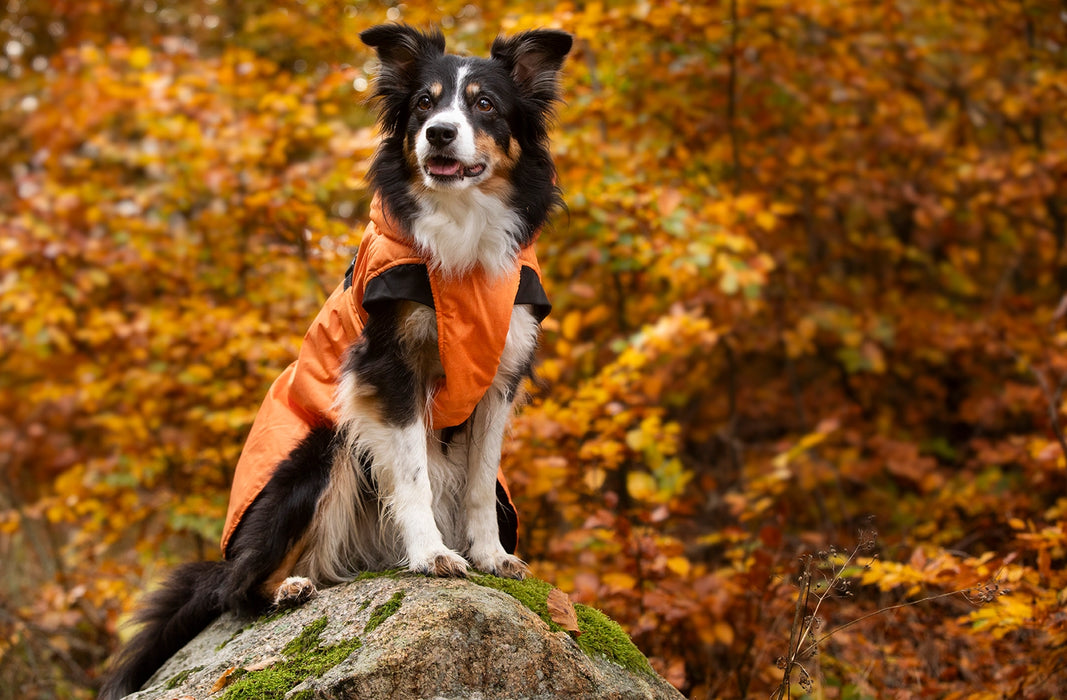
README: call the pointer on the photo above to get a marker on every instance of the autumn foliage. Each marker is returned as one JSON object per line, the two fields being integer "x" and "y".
{"x": 812, "y": 271}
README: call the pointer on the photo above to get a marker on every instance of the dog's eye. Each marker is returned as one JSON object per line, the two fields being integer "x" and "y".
{"x": 424, "y": 103}
{"x": 484, "y": 104}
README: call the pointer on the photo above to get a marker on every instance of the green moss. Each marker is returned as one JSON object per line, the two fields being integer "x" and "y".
{"x": 307, "y": 640}
{"x": 601, "y": 636}
{"x": 180, "y": 677}
{"x": 388, "y": 573}
{"x": 531, "y": 592}
{"x": 306, "y": 657}
{"x": 383, "y": 612}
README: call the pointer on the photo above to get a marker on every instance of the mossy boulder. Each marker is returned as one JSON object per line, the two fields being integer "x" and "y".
{"x": 403, "y": 636}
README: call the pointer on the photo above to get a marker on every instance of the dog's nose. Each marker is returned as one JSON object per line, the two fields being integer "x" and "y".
{"x": 440, "y": 135}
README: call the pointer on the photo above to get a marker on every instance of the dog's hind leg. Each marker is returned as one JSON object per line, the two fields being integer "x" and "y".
{"x": 272, "y": 536}
{"x": 282, "y": 588}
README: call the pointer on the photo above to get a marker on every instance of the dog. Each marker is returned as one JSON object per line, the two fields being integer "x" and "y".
{"x": 379, "y": 447}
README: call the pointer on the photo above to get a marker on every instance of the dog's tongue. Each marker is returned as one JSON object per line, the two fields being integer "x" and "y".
{"x": 444, "y": 167}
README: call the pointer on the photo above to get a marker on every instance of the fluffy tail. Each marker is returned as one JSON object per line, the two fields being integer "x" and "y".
{"x": 187, "y": 603}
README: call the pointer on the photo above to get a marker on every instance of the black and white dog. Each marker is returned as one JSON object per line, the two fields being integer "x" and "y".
{"x": 398, "y": 465}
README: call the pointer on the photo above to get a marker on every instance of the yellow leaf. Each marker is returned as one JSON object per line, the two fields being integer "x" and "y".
{"x": 679, "y": 566}
{"x": 140, "y": 57}
{"x": 594, "y": 478}
{"x": 766, "y": 220}
{"x": 572, "y": 324}
{"x": 641, "y": 486}
{"x": 619, "y": 581}
{"x": 224, "y": 680}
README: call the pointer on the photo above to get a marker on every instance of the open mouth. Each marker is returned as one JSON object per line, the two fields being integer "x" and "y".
{"x": 452, "y": 169}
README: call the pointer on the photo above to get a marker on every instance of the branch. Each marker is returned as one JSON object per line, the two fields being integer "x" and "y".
{"x": 1053, "y": 397}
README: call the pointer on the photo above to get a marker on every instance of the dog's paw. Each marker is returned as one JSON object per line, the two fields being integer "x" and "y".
{"x": 444, "y": 564}
{"x": 502, "y": 564}
{"x": 293, "y": 591}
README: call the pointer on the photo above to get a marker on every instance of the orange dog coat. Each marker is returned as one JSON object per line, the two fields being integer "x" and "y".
{"x": 473, "y": 314}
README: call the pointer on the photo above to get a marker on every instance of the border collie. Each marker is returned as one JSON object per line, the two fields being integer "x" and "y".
{"x": 380, "y": 445}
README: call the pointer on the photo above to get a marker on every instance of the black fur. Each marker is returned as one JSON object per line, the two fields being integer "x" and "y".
{"x": 276, "y": 520}
{"x": 378, "y": 359}
{"x": 195, "y": 594}
{"x": 186, "y": 603}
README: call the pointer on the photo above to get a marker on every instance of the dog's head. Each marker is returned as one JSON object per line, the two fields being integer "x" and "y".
{"x": 462, "y": 122}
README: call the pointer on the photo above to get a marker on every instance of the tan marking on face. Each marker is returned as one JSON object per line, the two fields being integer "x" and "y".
{"x": 436, "y": 89}
{"x": 502, "y": 163}
{"x": 472, "y": 90}
{"x": 413, "y": 160}
{"x": 500, "y": 159}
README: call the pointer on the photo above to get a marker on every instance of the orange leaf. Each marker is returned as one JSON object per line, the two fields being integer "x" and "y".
{"x": 561, "y": 610}
{"x": 224, "y": 679}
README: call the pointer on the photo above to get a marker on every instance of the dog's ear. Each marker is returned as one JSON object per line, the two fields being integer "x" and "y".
{"x": 401, "y": 48}
{"x": 401, "y": 45}
{"x": 534, "y": 59}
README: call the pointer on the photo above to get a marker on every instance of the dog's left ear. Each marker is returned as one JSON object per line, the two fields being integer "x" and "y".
{"x": 534, "y": 58}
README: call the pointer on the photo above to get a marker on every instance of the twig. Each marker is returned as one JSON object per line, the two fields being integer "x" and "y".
{"x": 1053, "y": 399}
{"x": 815, "y": 643}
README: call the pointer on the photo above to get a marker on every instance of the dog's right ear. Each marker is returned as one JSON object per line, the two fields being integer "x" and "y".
{"x": 400, "y": 46}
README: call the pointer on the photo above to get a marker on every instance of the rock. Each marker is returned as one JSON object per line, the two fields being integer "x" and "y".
{"x": 404, "y": 636}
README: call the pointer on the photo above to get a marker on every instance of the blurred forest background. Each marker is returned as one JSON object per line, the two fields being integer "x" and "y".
{"x": 811, "y": 282}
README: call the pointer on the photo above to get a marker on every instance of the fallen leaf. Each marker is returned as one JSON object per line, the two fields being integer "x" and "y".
{"x": 224, "y": 679}
{"x": 561, "y": 610}
{"x": 262, "y": 664}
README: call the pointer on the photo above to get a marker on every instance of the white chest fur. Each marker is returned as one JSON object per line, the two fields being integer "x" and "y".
{"x": 459, "y": 230}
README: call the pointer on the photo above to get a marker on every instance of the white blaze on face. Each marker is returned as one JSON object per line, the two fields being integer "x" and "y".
{"x": 458, "y": 225}
{"x": 453, "y": 116}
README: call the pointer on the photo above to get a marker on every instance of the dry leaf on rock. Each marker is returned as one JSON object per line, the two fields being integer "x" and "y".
{"x": 561, "y": 610}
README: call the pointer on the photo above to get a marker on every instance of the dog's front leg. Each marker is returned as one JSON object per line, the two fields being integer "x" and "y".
{"x": 489, "y": 423}
{"x": 483, "y": 532}
{"x": 382, "y": 409}
{"x": 400, "y": 468}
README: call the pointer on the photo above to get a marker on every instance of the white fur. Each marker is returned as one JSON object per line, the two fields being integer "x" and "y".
{"x": 463, "y": 229}
{"x": 483, "y": 459}
{"x": 293, "y": 590}
{"x": 422, "y": 503}
{"x": 463, "y": 148}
